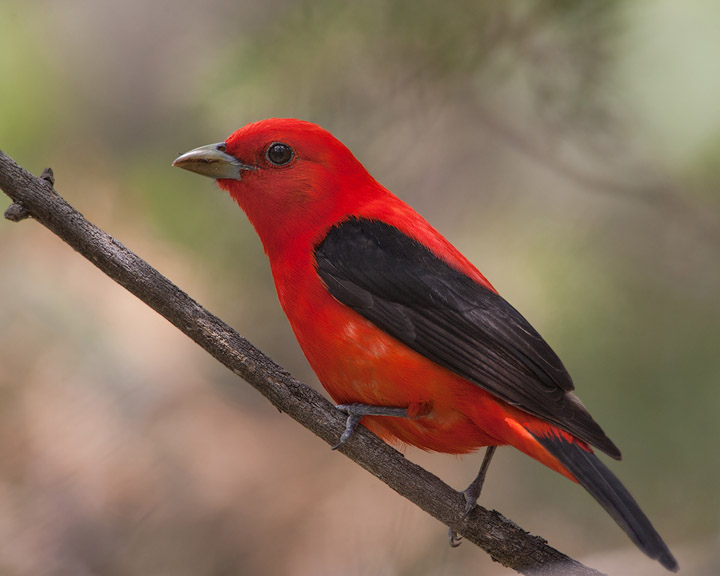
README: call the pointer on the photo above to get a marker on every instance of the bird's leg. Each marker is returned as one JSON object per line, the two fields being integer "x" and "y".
{"x": 472, "y": 493}
{"x": 356, "y": 412}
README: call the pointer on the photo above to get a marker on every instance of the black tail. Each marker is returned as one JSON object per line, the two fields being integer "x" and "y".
{"x": 597, "y": 479}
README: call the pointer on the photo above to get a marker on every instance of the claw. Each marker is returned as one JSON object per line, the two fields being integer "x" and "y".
{"x": 455, "y": 538}
{"x": 470, "y": 503}
{"x": 352, "y": 422}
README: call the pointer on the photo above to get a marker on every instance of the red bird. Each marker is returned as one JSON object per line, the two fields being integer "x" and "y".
{"x": 401, "y": 329}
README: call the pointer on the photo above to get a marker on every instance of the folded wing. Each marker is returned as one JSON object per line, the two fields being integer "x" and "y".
{"x": 403, "y": 288}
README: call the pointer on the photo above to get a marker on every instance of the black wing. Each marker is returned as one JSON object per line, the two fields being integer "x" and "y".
{"x": 403, "y": 288}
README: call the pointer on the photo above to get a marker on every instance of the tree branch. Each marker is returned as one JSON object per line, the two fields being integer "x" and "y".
{"x": 506, "y": 542}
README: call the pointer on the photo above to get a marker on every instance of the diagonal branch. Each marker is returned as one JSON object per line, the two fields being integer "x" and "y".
{"x": 506, "y": 542}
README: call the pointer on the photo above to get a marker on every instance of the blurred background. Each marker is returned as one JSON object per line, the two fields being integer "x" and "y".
{"x": 570, "y": 149}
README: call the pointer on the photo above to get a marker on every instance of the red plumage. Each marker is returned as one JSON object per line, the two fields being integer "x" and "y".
{"x": 323, "y": 221}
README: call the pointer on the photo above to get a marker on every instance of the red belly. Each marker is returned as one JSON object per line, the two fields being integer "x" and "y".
{"x": 357, "y": 362}
{"x": 361, "y": 363}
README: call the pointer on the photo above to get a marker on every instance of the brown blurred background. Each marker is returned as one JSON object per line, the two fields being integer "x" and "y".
{"x": 570, "y": 148}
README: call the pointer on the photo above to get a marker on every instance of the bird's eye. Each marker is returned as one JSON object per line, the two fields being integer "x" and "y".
{"x": 279, "y": 153}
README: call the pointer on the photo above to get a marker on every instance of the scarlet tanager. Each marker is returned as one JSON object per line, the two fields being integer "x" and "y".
{"x": 400, "y": 328}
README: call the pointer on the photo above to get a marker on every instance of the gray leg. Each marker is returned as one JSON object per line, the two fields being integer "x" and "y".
{"x": 356, "y": 412}
{"x": 472, "y": 493}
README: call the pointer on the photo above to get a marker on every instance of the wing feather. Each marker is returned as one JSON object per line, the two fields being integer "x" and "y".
{"x": 406, "y": 290}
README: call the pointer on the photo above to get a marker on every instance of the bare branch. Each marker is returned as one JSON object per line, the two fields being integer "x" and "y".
{"x": 506, "y": 542}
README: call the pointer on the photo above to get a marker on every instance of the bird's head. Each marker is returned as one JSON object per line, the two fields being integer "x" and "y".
{"x": 289, "y": 176}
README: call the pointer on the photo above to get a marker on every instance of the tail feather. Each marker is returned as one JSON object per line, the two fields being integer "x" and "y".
{"x": 605, "y": 487}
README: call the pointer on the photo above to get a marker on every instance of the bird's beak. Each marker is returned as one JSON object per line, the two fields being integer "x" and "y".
{"x": 212, "y": 161}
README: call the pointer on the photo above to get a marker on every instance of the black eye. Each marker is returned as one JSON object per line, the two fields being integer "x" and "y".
{"x": 279, "y": 153}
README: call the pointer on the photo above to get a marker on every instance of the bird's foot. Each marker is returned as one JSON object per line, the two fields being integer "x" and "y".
{"x": 455, "y": 538}
{"x": 355, "y": 413}
{"x": 471, "y": 497}
{"x": 472, "y": 493}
